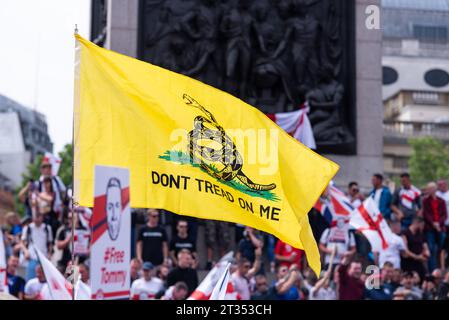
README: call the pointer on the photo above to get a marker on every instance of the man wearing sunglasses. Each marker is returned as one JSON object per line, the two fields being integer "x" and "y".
{"x": 152, "y": 243}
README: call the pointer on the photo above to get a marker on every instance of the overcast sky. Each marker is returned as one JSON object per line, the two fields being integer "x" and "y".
{"x": 37, "y": 55}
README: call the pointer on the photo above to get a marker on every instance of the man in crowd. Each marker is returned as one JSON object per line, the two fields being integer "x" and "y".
{"x": 245, "y": 272}
{"x": 434, "y": 213}
{"x": 148, "y": 286}
{"x": 16, "y": 284}
{"x": 247, "y": 246}
{"x": 54, "y": 218}
{"x": 184, "y": 271}
{"x": 417, "y": 250}
{"x": 262, "y": 290}
{"x": 176, "y": 292}
{"x": 34, "y": 286}
{"x": 83, "y": 270}
{"x": 64, "y": 240}
{"x": 135, "y": 269}
{"x": 354, "y": 195}
{"x": 406, "y": 202}
{"x": 285, "y": 284}
{"x": 182, "y": 240}
{"x": 152, "y": 243}
{"x": 408, "y": 291}
{"x": 322, "y": 289}
{"x": 350, "y": 284}
{"x": 381, "y": 195}
{"x": 391, "y": 276}
{"x": 40, "y": 236}
{"x": 339, "y": 238}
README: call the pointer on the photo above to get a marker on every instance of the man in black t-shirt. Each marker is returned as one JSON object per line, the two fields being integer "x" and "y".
{"x": 184, "y": 272}
{"x": 182, "y": 240}
{"x": 152, "y": 243}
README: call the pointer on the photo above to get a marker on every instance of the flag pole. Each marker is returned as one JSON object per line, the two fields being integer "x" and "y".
{"x": 75, "y": 99}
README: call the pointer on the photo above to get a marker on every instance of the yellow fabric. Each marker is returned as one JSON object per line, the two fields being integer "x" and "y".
{"x": 125, "y": 113}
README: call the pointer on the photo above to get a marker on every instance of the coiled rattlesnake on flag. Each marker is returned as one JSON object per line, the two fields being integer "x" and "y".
{"x": 207, "y": 128}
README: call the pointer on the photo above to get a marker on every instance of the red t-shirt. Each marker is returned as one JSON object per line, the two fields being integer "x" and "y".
{"x": 286, "y": 250}
{"x": 436, "y": 215}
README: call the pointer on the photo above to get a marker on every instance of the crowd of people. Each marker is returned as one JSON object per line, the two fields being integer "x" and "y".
{"x": 166, "y": 261}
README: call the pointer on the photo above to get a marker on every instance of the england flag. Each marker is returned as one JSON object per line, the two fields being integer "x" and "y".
{"x": 296, "y": 124}
{"x": 368, "y": 219}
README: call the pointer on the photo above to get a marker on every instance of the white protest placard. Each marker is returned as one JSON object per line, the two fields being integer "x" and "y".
{"x": 81, "y": 242}
{"x": 3, "y": 277}
{"x": 111, "y": 234}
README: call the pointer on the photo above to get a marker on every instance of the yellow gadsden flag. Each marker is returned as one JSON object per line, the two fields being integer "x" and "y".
{"x": 191, "y": 149}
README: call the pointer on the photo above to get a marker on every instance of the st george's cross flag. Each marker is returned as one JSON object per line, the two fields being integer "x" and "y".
{"x": 204, "y": 290}
{"x": 3, "y": 276}
{"x": 191, "y": 149}
{"x": 57, "y": 287}
{"x": 221, "y": 288}
{"x": 297, "y": 124}
{"x": 82, "y": 290}
{"x": 409, "y": 197}
{"x": 55, "y": 162}
{"x": 368, "y": 219}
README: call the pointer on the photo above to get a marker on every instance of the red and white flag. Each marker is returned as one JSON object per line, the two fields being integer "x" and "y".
{"x": 54, "y": 161}
{"x": 221, "y": 287}
{"x": 57, "y": 287}
{"x": 409, "y": 196}
{"x": 296, "y": 124}
{"x": 204, "y": 290}
{"x": 82, "y": 290}
{"x": 368, "y": 219}
{"x": 3, "y": 276}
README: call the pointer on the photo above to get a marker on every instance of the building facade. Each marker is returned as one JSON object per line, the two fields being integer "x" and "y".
{"x": 23, "y": 135}
{"x": 415, "y": 76}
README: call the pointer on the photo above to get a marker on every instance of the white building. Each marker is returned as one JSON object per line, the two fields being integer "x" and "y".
{"x": 415, "y": 76}
{"x": 23, "y": 135}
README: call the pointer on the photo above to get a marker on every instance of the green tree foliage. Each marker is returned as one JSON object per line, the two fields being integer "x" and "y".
{"x": 65, "y": 171}
{"x": 429, "y": 160}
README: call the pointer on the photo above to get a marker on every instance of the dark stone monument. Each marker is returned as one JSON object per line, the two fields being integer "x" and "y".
{"x": 273, "y": 54}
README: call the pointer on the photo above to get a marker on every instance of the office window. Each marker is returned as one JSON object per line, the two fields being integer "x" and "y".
{"x": 433, "y": 34}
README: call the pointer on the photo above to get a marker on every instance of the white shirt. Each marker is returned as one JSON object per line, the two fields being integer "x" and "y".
{"x": 445, "y": 197}
{"x": 323, "y": 294}
{"x": 377, "y": 195}
{"x": 393, "y": 252}
{"x": 33, "y": 287}
{"x": 337, "y": 237}
{"x": 241, "y": 286}
{"x": 146, "y": 290}
{"x": 39, "y": 238}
